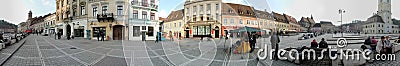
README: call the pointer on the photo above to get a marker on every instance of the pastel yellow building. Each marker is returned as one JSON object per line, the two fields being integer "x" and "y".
{"x": 174, "y": 25}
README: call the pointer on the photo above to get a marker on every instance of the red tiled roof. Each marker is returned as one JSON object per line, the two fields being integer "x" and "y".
{"x": 174, "y": 15}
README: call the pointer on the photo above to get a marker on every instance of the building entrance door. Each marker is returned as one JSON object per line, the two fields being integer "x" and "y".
{"x": 117, "y": 32}
{"x": 186, "y": 33}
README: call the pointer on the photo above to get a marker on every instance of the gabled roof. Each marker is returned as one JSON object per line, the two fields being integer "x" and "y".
{"x": 375, "y": 18}
{"x": 237, "y": 9}
{"x": 325, "y": 23}
{"x": 263, "y": 14}
{"x": 279, "y": 17}
{"x": 307, "y": 20}
{"x": 174, "y": 15}
{"x": 290, "y": 19}
{"x": 317, "y": 25}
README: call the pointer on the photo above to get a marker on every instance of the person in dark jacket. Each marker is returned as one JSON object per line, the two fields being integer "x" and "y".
{"x": 368, "y": 41}
{"x": 68, "y": 36}
{"x": 314, "y": 44}
{"x": 59, "y": 35}
{"x": 274, "y": 43}
{"x": 323, "y": 43}
{"x": 253, "y": 41}
{"x": 102, "y": 35}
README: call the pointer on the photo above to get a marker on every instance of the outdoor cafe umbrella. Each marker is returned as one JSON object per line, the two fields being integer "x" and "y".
{"x": 246, "y": 29}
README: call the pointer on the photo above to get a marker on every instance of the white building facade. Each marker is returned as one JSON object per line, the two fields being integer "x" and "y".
{"x": 143, "y": 20}
{"x": 382, "y": 21}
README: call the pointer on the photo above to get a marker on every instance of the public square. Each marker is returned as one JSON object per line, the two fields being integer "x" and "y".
{"x": 36, "y": 50}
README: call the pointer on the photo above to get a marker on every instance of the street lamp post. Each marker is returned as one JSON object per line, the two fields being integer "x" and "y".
{"x": 341, "y": 11}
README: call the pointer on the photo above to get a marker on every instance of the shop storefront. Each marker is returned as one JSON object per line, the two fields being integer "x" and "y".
{"x": 202, "y": 31}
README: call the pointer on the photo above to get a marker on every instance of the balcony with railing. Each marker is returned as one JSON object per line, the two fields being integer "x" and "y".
{"x": 139, "y": 4}
{"x": 153, "y": 7}
{"x": 106, "y": 16}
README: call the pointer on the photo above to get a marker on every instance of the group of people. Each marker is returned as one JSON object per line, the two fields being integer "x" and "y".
{"x": 100, "y": 36}
{"x": 321, "y": 44}
{"x": 59, "y": 34}
{"x": 383, "y": 46}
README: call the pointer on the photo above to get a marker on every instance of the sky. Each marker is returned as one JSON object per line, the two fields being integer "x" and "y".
{"x": 16, "y": 11}
{"x": 327, "y": 10}
{"x": 321, "y": 10}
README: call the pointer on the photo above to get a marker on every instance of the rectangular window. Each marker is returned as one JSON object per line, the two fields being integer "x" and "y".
{"x": 208, "y": 30}
{"x": 152, "y": 16}
{"x": 83, "y": 11}
{"x": 104, "y": 9}
{"x": 241, "y": 21}
{"x": 201, "y": 30}
{"x": 136, "y": 31}
{"x": 225, "y": 21}
{"x": 135, "y": 14}
{"x": 232, "y": 21}
{"x": 97, "y": 30}
{"x": 144, "y": 15}
{"x": 208, "y": 7}
{"x": 143, "y": 27}
{"x": 144, "y": 3}
{"x": 201, "y": 8}
{"x": 195, "y": 30}
{"x": 248, "y": 22}
{"x": 152, "y": 1}
{"x": 174, "y": 24}
{"x": 120, "y": 10}
{"x": 179, "y": 24}
{"x": 95, "y": 11}
{"x": 216, "y": 6}
{"x": 217, "y": 16}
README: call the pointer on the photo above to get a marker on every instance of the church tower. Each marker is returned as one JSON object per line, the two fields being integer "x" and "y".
{"x": 385, "y": 10}
{"x": 30, "y": 15}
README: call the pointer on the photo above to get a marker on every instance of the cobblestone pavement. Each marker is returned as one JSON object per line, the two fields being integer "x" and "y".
{"x": 46, "y": 51}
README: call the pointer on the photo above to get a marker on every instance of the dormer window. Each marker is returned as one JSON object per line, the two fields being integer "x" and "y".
{"x": 248, "y": 12}
{"x": 239, "y": 11}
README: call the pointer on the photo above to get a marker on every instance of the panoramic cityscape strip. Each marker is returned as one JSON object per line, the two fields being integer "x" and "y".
{"x": 199, "y": 33}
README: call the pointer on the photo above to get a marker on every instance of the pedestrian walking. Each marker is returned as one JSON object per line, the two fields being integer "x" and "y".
{"x": 68, "y": 35}
{"x": 171, "y": 36}
{"x": 253, "y": 41}
{"x": 59, "y": 35}
{"x": 275, "y": 42}
{"x": 323, "y": 43}
{"x": 157, "y": 37}
{"x": 102, "y": 36}
{"x": 98, "y": 36}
